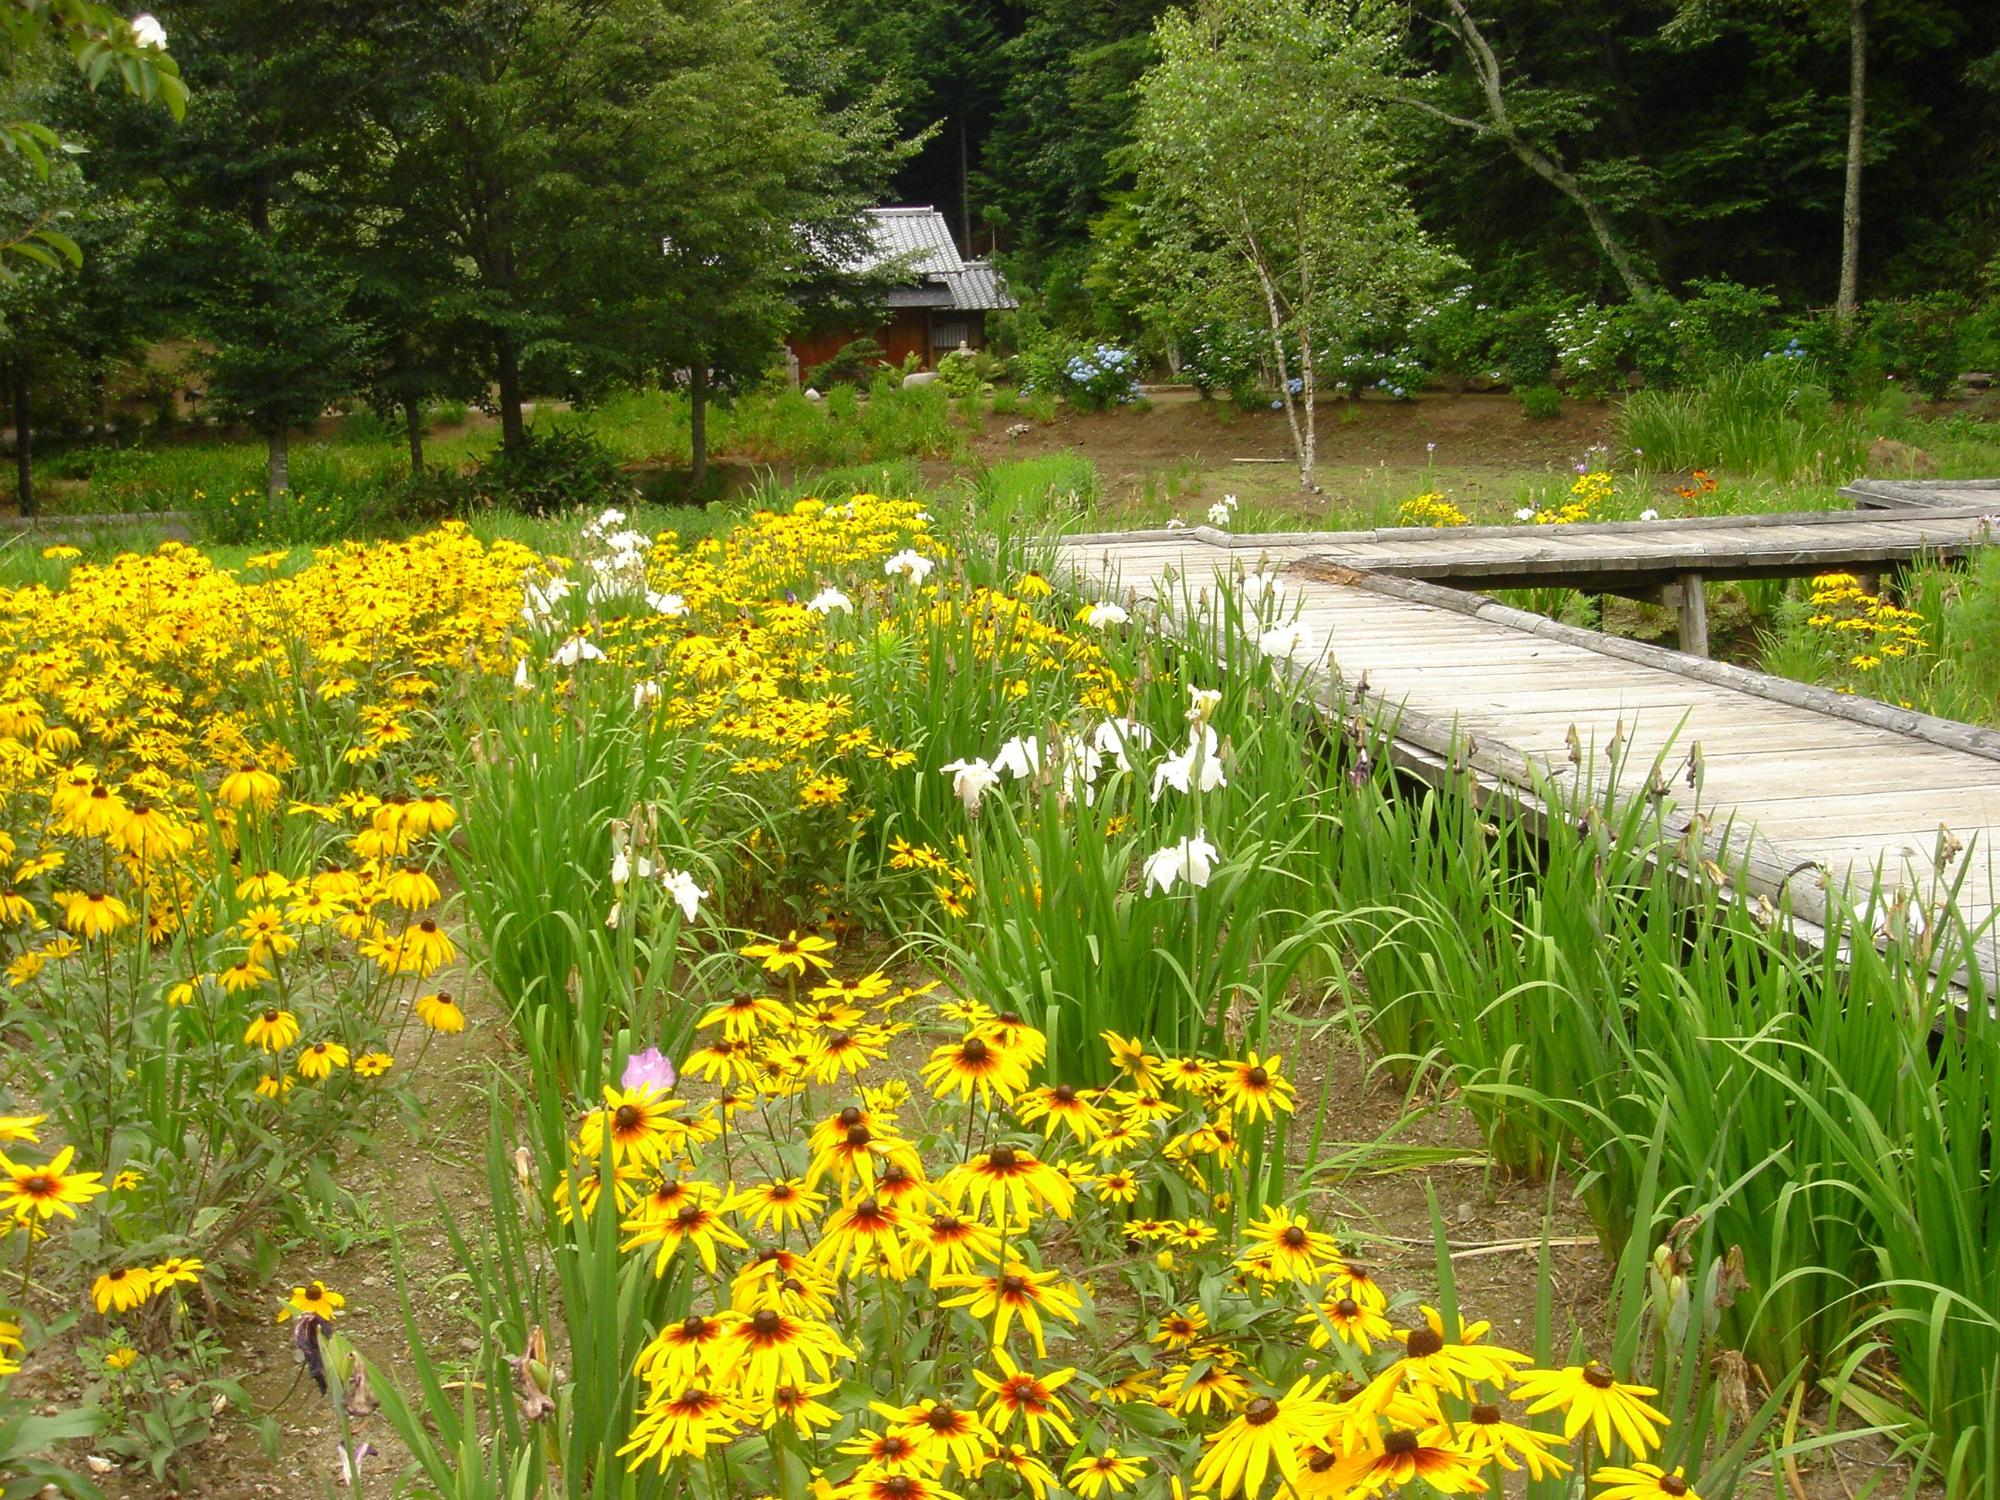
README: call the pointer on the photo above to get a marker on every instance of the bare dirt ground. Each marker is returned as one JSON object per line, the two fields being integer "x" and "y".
{"x": 1187, "y": 453}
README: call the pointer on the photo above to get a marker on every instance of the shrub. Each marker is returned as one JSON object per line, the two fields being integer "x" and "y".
{"x": 1454, "y": 334}
{"x": 852, "y": 364}
{"x": 560, "y": 469}
{"x": 1542, "y": 402}
{"x": 1920, "y": 340}
{"x": 1590, "y": 343}
{"x": 1223, "y": 358}
{"x": 1721, "y": 323}
{"x": 959, "y": 374}
{"x": 1524, "y": 353}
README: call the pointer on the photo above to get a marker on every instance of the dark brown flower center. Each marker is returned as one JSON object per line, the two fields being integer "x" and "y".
{"x": 1066, "y": 1093}
{"x": 690, "y": 1213}
{"x": 1294, "y": 1237}
{"x": 695, "y": 1327}
{"x": 1485, "y": 1414}
{"x": 857, "y": 1135}
{"x": 1260, "y": 1411}
{"x": 1013, "y": 1286}
{"x": 850, "y": 1116}
{"x": 1673, "y": 1484}
{"x": 627, "y": 1116}
{"x": 767, "y": 1322}
{"x": 1346, "y": 1307}
{"x": 270, "y": 1017}
{"x": 1001, "y": 1158}
{"x": 1425, "y": 1342}
{"x": 1257, "y": 1078}
{"x": 1598, "y": 1376}
{"x": 941, "y": 1418}
{"x": 41, "y": 1185}
{"x": 1400, "y": 1443}
{"x": 894, "y": 1176}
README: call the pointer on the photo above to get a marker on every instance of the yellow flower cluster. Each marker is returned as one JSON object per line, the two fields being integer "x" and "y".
{"x": 796, "y": 1217}
{"x": 1862, "y": 629}
{"x": 1430, "y": 509}
{"x": 1586, "y": 495}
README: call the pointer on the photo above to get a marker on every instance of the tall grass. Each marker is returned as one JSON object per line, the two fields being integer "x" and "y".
{"x": 1764, "y": 417}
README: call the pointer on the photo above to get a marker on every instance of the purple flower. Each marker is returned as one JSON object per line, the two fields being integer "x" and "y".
{"x": 649, "y": 1069}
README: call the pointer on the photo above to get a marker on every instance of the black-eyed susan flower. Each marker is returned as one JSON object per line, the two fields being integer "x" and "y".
{"x": 745, "y": 1017}
{"x": 1180, "y": 1327}
{"x": 122, "y": 1289}
{"x": 94, "y": 914}
{"x": 315, "y": 1298}
{"x": 791, "y": 954}
{"x": 1643, "y": 1482}
{"x": 1107, "y": 1473}
{"x": 638, "y": 1123}
{"x": 1015, "y": 1293}
{"x": 1401, "y": 1457}
{"x": 1118, "y": 1186}
{"x": 1592, "y": 1396}
{"x": 1065, "y": 1105}
{"x": 1488, "y": 1437}
{"x": 1253, "y": 1086}
{"x": 769, "y": 1348}
{"x": 273, "y": 1029}
{"x": 1033, "y": 1471}
{"x": 700, "y": 1225}
{"x": 952, "y": 1243}
{"x": 1188, "y": 1389}
{"x": 799, "y": 1407}
{"x": 373, "y": 1064}
{"x": 865, "y": 1235}
{"x": 31, "y": 1192}
{"x": 973, "y": 1064}
{"x": 1028, "y": 1396}
{"x": 245, "y": 974}
{"x": 687, "y": 1351}
{"x": 682, "y": 1423}
{"x": 1269, "y": 1434}
{"x": 178, "y": 1270}
{"x": 1353, "y": 1323}
{"x": 940, "y": 1430}
{"x": 320, "y": 1059}
{"x": 1431, "y": 1362}
{"x": 18, "y": 1130}
{"x": 251, "y": 786}
{"x": 1009, "y": 1183}
{"x": 1281, "y": 1246}
{"x": 779, "y": 1205}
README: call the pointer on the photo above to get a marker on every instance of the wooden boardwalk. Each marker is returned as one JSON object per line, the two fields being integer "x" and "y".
{"x": 1803, "y": 793}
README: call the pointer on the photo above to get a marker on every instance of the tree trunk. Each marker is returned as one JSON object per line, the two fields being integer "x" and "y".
{"x": 278, "y": 462}
{"x": 698, "y": 429}
{"x": 507, "y": 370}
{"x": 964, "y": 191}
{"x": 413, "y": 424}
{"x": 1850, "y": 203}
{"x": 24, "y": 443}
{"x": 1308, "y": 391}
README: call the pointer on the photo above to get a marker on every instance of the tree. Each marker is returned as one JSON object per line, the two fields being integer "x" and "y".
{"x": 1265, "y": 159}
{"x": 1498, "y": 120}
{"x": 100, "y": 42}
{"x": 728, "y": 191}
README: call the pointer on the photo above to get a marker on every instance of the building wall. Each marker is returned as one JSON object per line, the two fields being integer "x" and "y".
{"x": 924, "y": 332}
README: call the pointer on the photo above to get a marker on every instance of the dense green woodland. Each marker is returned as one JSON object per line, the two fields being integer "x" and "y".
{"x": 408, "y": 202}
{"x": 1715, "y": 134}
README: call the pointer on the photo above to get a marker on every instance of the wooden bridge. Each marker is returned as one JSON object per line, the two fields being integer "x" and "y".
{"x": 1799, "y": 793}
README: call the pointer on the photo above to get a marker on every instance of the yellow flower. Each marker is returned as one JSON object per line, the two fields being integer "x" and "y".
{"x": 121, "y": 1358}
{"x": 250, "y": 786}
{"x": 29, "y": 1192}
{"x": 94, "y": 914}
{"x": 1106, "y": 1473}
{"x": 440, "y": 1012}
{"x": 320, "y": 1059}
{"x": 274, "y": 1030}
{"x": 315, "y": 1298}
{"x": 1592, "y": 1396}
{"x": 122, "y": 1289}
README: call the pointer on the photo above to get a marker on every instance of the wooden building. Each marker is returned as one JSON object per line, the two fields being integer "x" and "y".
{"x": 943, "y": 303}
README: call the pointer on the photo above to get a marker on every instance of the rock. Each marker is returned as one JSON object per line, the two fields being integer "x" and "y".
{"x": 1020, "y": 429}
{"x": 813, "y": 395}
{"x": 1886, "y": 456}
{"x": 917, "y": 378}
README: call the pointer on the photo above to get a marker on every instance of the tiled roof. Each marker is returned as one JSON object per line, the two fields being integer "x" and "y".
{"x": 919, "y": 240}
